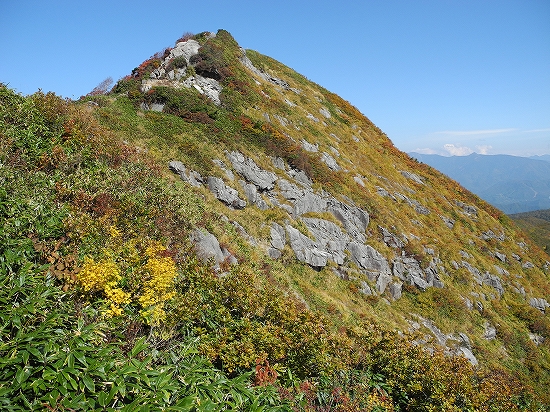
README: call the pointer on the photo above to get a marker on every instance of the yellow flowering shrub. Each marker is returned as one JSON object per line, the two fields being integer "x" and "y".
{"x": 148, "y": 280}
{"x": 104, "y": 276}
{"x": 158, "y": 285}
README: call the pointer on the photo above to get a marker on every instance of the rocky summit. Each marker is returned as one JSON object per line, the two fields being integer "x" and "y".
{"x": 217, "y": 202}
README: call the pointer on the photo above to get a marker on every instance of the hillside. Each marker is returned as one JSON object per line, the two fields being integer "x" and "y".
{"x": 537, "y": 225}
{"x": 510, "y": 183}
{"x": 219, "y": 233}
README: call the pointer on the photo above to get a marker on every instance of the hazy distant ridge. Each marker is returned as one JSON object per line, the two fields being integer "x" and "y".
{"x": 511, "y": 183}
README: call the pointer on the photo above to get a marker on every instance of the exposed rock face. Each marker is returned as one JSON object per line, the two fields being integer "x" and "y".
{"x": 368, "y": 259}
{"x": 494, "y": 281}
{"x": 396, "y": 290}
{"x": 390, "y": 239}
{"x": 304, "y": 200}
{"x": 274, "y": 80}
{"x": 253, "y": 196}
{"x": 305, "y": 249}
{"x": 330, "y": 161}
{"x": 408, "y": 270}
{"x": 248, "y": 169}
{"x": 176, "y": 78}
{"x": 468, "y": 209}
{"x": 189, "y": 176}
{"x": 187, "y": 49}
{"x": 308, "y": 147}
{"x": 539, "y": 303}
{"x": 324, "y": 111}
{"x": 211, "y": 88}
{"x": 449, "y": 222}
{"x": 226, "y": 194}
{"x": 412, "y": 176}
{"x": 354, "y": 219}
{"x": 329, "y": 237}
{"x": 278, "y": 236}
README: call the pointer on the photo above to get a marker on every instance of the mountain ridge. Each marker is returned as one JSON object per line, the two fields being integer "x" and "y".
{"x": 294, "y": 235}
{"x": 511, "y": 183}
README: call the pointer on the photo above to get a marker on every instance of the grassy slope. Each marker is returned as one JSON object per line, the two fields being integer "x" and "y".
{"x": 537, "y": 225}
{"x": 111, "y": 191}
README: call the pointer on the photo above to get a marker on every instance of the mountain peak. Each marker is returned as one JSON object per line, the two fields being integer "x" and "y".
{"x": 225, "y": 200}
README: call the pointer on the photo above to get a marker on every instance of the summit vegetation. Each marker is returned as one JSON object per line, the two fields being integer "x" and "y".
{"x": 108, "y": 302}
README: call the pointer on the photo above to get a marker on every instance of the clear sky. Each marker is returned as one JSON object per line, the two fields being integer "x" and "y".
{"x": 438, "y": 76}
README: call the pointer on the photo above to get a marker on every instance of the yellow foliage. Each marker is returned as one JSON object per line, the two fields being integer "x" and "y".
{"x": 153, "y": 287}
{"x": 104, "y": 277}
{"x": 158, "y": 287}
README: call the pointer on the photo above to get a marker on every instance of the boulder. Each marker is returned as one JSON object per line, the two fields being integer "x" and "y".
{"x": 278, "y": 236}
{"x": 305, "y": 249}
{"x": 189, "y": 176}
{"x": 224, "y": 193}
{"x": 207, "y": 247}
{"x": 368, "y": 258}
{"x": 248, "y": 169}
{"x": 539, "y": 303}
{"x": 330, "y": 161}
{"x": 490, "y": 332}
{"x": 328, "y": 237}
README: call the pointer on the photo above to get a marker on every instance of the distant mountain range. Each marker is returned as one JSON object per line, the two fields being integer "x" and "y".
{"x": 511, "y": 183}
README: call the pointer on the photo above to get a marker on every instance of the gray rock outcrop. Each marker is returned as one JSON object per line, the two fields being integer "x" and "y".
{"x": 248, "y": 169}
{"x": 328, "y": 237}
{"x": 189, "y": 176}
{"x": 207, "y": 247}
{"x": 493, "y": 281}
{"x": 305, "y": 249}
{"x": 368, "y": 259}
{"x": 330, "y": 161}
{"x": 412, "y": 176}
{"x": 539, "y": 303}
{"x": 224, "y": 193}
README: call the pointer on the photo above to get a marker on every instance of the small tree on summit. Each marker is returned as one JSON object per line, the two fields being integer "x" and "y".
{"x": 102, "y": 88}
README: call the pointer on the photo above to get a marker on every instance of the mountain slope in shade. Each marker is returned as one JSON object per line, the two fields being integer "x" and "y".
{"x": 511, "y": 183}
{"x": 537, "y": 225}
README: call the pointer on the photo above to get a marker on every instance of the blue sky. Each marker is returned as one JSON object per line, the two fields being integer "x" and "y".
{"x": 441, "y": 76}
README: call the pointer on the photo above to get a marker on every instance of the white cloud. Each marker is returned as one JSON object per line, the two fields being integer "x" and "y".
{"x": 483, "y": 149}
{"x": 457, "y": 150}
{"x": 536, "y": 131}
